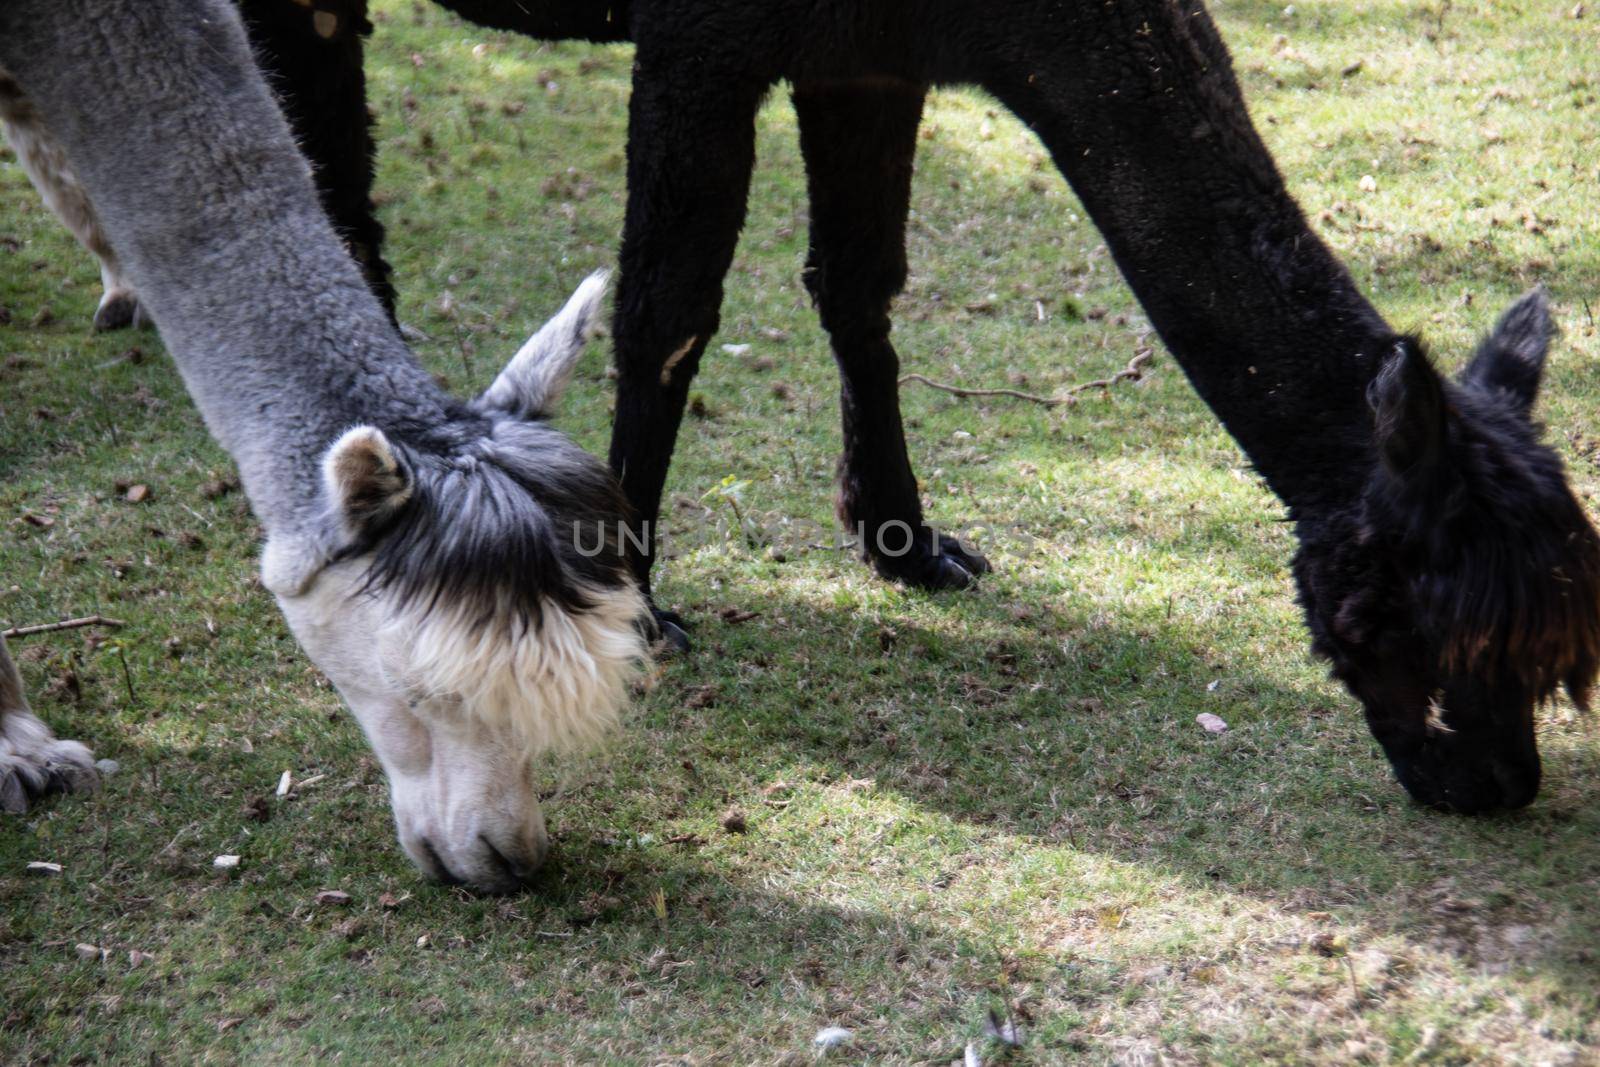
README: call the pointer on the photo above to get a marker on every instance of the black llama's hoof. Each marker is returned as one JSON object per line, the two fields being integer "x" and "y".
{"x": 952, "y": 567}
{"x": 672, "y": 633}
{"x": 118, "y": 311}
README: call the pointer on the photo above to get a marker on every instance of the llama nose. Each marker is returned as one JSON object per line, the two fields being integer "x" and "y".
{"x": 1519, "y": 784}
{"x": 514, "y": 867}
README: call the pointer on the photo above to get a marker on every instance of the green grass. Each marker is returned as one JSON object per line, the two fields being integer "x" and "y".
{"x": 957, "y": 803}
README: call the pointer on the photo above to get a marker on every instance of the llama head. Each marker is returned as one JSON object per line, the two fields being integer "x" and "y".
{"x": 1464, "y": 588}
{"x": 465, "y": 589}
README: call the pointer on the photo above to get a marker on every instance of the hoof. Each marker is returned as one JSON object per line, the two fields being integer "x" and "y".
{"x": 952, "y": 567}
{"x": 30, "y": 772}
{"x": 672, "y": 633}
{"x": 118, "y": 311}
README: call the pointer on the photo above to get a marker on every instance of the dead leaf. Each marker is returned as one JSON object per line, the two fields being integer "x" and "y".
{"x": 335, "y": 898}
{"x": 1326, "y": 944}
{"x": 734, "y": 822}
{"x": 258, "y": 809}
{"x": 219, "y": 487}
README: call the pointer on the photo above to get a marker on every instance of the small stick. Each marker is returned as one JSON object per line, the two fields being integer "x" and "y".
{"x": 64, "y": 624}
{"x": 127, "y": 675}
{"x": 1131, "y": 373}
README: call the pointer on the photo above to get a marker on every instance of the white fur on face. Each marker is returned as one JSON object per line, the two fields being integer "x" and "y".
{"x": 456, "y": 712}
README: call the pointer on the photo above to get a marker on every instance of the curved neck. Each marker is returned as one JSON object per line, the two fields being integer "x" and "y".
{"x": 212, "y": 211}
{"x": 1154, "y": 136}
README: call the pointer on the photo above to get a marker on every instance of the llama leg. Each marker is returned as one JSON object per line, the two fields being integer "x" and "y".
{"x": 33, "y": 763}
{"x": 691, "y": 146}
{"x": 311, "y": 54}
{"x": 46, "y": 165}
{"x": 858, "y": 145}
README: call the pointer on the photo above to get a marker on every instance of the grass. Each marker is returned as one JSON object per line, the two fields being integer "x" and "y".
{"x": 955, "y": 804}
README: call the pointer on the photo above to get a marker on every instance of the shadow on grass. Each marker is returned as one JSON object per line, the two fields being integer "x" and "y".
{"x": 1071, "y": 734}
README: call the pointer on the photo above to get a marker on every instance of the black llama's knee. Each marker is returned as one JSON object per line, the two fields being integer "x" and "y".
{"x": 311, "y": 53}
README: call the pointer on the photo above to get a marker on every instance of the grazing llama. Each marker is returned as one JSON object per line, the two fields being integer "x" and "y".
{"x": 1445, "y": 568}
{"x": 424, "y": 549}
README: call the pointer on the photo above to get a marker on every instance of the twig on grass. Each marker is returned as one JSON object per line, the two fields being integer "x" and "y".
{"x": 1131, "y": 373}
{"x": 64, "y": 624}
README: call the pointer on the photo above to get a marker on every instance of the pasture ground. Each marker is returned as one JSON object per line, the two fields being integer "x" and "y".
{"x": 952, "y": 805}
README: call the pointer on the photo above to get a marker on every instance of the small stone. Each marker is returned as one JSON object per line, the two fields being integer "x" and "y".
{"x": 87, "y": 951}
{"x": 225, "y": 863}
{"x": 137, "y": 494}
{"x": 138, "y": 959}
{"x": 43, "y": 869}
{"x": 1368, "y": 184}
{"x": 830, "y": 1037}
{"x": 285, "y": 783}
{"x": 107, "y": 767}
{"x": 736, "y": 350}
{"x": 1213, "y": 724}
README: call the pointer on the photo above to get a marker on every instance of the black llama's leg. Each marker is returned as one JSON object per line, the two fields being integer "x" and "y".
{"x": 691, "y": 146}
{"x": 311, "y": 54}
{"x": 858, "y": 145}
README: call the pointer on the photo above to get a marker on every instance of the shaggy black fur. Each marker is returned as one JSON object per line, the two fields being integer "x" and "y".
{"x": 488, "y": 497}
{"x": 1445, "y": 568}
{"x": 1467, "y": 579}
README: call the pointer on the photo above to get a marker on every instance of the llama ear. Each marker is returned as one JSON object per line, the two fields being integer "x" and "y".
{"x": 534, "y": 379}
{"x": 1408, "y": 411}
{"x": 1511, "y": 359}
{"x": 367, "y": 481}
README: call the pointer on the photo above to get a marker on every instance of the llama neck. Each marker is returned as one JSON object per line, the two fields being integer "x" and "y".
{"x": 1153, "y": 135}
{"x": 212, "y": 210}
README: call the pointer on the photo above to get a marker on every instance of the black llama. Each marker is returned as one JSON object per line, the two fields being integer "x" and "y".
{"x": 1445, "y": 568}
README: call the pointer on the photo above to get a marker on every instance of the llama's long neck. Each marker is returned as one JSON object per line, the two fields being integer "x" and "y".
{"x": 1149, "y": 126}
{"x": 213, "y": 212}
